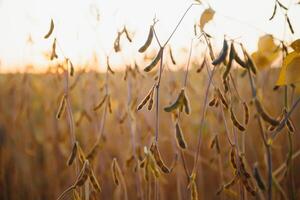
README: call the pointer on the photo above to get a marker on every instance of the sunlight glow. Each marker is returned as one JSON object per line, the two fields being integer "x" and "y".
{"x": 81, "y": 35}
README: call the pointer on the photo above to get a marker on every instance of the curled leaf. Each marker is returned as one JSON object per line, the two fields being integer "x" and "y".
{"x": 206, "y": 16}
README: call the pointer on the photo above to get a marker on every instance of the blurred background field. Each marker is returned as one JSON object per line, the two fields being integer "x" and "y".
{"x": 34, "y": 145}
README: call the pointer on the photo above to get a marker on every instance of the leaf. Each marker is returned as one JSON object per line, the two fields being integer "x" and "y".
{"x": 296, "y": 45}
{"x": 50, "y": 30}
{"x": 206, "y": 16}
{"x": 290, "y": 71}
{"x": 267, "y": 52}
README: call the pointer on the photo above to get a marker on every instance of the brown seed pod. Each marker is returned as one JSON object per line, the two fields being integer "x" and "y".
{"x": 127, "y": 34}
{"x": 222, "y": 98}
{"x": 50, "y": 29}
{"x": 246, "y": 113}
{"x": 232, "y": 158}
{"x": 61, "y": 107}
{"x": 249, "y": 62}
{"x": 73, "y": 154}
{"x": 243, "y": 168}
{"x": 274, "y": 11}
{"x": 187, "y": 105}
{"x": 150, "y": 104}
{"x": 115, "y": 172}
{"x": 53, "y": 52}
{"x": 155, "y": 61}
{"x": 101, "y": 103}
{"x": 117, "y": 47}
{"x": 109, "y": 104}
{"x": 94, "y": 181}
{"x": 265, "y": 116}
{"x": 226, "y": 85}
{"x": 235, "y": 122}
{"x": 148, "y": 41}
{"x": 201, "y": 66}
{"x": 240, "y": 61}
{"x": 259, "y": 180}
{"x": 148, "y": 97}
{"x": 157, "y": 157}
{"x": 171, "y": 56}
{"x": 213, "y": 102}
{"x": 84, "y": 173}
{"x": 222, "y": 55}
{"x": 179, "y": 137}
{"x": 179, "y": 102}
{"x": 290, "y": 24}
{"x": 108, "y": 66}
{"x": 229, "y": 64}
{"x": 71, "y": 67}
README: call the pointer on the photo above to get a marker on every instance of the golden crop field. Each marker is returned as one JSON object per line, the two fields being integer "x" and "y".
{"x": 223, "y": 125}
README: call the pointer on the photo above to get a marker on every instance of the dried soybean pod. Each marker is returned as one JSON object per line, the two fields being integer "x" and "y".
{"x": 155, "y": 61}
{"x": 212, "y": 102}
{"x": 109, "y": 104}
{"x": 101, "y": 103}
{"x": 232, "y": 158}
{"x": 179, "y": 137}
{"x": 108, "y": 66}
{"x": 115, "y": 172}
{"x": 187, "y": 105}
{"x": 117, "y": 47}
{"x": 229, "y": 64}
{"x": 222, "y": 55}
{"x": 274, "y": 11}
{"x": 222, "y": 98}
{"x": 290, "y": 24}
{"x": 84, "y": 173}
{"x": 157, "y": 157}
{"x": 73, "y": 154}
{"x": 265, "y": 116}
{"x": 94, "y": 181}
{"x": 148, "y": 41}
{"x": 150, "y": 104}
{"x": 53, "y": 52}
{"x": 178, "y": 103}
{"x": 61, "y": 107}
{"x": 71, "y": 67}
{"x": 127, "y": 34}
{"x": 246, "y": 113}
{"x": 50, "y": 30}
{"x": 146, "y": 99}
{"x": 259, "y": 180}
{"x": 240, "y": 61}
{"x": 171, "y": 56}
{"x": 235, "y": 122}
{"x": 201, "y": 66}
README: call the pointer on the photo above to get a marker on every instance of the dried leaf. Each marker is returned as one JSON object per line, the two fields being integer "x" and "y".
{"x": 206, "y": 16}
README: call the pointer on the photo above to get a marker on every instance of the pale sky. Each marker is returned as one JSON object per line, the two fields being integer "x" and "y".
{"x": 80, "y": 35}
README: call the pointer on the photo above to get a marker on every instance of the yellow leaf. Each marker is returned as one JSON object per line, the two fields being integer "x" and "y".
{"x": 266, "y": 53}
{"x": 290, "y": 71}
{"x": 296, "y": 45}
{"x": 206, "y": 16}
{"x": 266, "y": 44}
{"x": 260, "y": 60}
